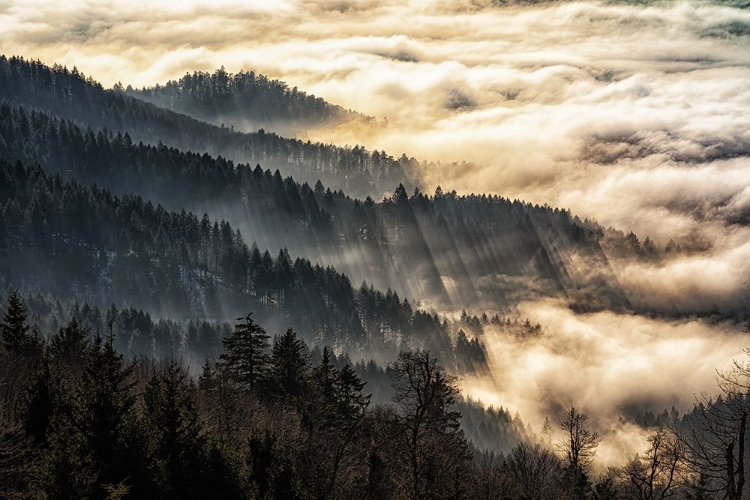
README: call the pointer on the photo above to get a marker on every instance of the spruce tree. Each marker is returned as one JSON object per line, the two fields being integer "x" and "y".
{"x": 324, "y": 377}
{"x": 68, "y": 348}
{"x": 68, "y": 468}
{"x": 16, "y": 334}
{"x": 107, "y": 416}
{"x": 42, "y": 401}
{"x": 14, "y": 328}
{"x": 245, "y": 353}
{"x": 289, "y": 365}
{"x": 172, "y": 419}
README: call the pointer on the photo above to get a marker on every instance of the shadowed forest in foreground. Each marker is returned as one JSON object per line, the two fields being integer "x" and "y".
{"x": 271, "y": 419}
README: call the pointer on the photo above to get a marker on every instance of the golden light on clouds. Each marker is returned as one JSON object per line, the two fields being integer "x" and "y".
{"x": 636, "y": 116}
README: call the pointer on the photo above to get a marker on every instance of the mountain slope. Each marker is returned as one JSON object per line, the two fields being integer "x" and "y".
{"x": 85, "y": 244}
{"x": 456, "y": 251}
{"x": 246, "y": 100}
{"x": 69, "y": 94}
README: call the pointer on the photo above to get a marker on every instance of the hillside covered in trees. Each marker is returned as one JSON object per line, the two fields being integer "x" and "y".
{"x": 459, "y": 251}
{"x": 197, "y": 312}
{"x": 246, "y": 100}
{"x": 67, "y": 93}
{"x": 272, "y": 419}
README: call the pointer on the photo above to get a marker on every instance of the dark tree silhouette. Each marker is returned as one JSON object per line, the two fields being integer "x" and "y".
{"x": 245, "y": 356}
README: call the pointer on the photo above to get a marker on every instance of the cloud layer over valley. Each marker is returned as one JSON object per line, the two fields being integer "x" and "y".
{"x": 637, "y": 116}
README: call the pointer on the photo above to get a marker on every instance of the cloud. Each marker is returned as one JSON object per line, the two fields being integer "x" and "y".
{"x": 637, "y": 116}
{"x": 610, "y": 366}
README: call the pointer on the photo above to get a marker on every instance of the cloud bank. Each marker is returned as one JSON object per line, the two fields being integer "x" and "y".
{"x": 609, "y": 365}
{"x": 635, "y": 116}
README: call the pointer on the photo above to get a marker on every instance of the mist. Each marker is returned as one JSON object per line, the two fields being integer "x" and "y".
{"x": 613, "y": 367}
{"x": 635, "y": 116}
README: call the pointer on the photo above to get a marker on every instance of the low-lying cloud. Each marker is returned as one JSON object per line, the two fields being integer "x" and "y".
{"x": 635, "y": 116}
{"x": 613, "y": 367}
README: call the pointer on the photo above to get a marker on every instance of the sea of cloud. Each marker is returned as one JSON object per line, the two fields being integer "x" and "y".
{"x": 637, "y": 116}
{"x": 613, "y": 367}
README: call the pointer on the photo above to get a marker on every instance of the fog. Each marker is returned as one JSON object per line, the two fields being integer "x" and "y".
{"x": 635, "y": 116}
{"x": 610, "y": 366}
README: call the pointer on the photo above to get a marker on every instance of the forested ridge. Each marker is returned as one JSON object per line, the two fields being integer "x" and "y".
{"x": 272, "y": 419}
{"x": 67, "y": 93}
{"x": 247, "y": 99}
{"x": 471, "y": 240}
{"x": 184, "y": 319}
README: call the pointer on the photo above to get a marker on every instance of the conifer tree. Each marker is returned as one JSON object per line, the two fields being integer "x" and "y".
{"x": 245, "y": 356}
{"x": 42, "y": 401}
{"x": 107, "y": 416}
{"x": 68, "y": 468}
{"x": 324, "y": 376}
{"x": 172, "y": 418}
{"x": 352, "y": 402}
{"x": 68, "y": 347}
{"x": 14, "y": 328}
{"x": 289, "y": 365}
{"x": 15, "y": 332}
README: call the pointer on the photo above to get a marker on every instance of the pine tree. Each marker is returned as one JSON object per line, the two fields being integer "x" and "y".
{"x": 69, "y": 345}
{"x": 68, "y": 468}
{"x": 172, "y": 417}
{"x": 42, "y": 401}
{"x": 16, "y": 334}
{"x": 289, "y": 365}
{"x": 352, "y": 402}
{"x": 245, "y": 356}
{"x": 107, "y": 414}
{"x": 324, "y": 376}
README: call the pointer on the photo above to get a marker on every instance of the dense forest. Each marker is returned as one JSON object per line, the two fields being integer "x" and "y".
{"x": 191, "y": 311}
{"x": 246, "y": 100}
{"x": 271, "y": 419}
{"x": 470, "y": 240}
{"x": 68, "y": 93}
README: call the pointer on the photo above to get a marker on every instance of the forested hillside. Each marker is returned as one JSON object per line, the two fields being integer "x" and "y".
{"x": 67, "y": 93}
{"x": 460, "y": 251}
{"x": 274, "y": 420}
{"x": 84, "y": 243}
{"x": 247, "y": 101}
{"x": 197, "y": 312}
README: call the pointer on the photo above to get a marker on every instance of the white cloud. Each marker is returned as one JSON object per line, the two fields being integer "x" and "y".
{"x": 635, "y": 116}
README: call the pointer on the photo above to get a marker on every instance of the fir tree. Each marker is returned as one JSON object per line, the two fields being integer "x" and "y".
{"x": 107, "y": 415}
{"x": 68, "y": 347}
{"x": 289, "y": 365}
{"x": 16, "y": 334}
{"x": 245, "y": 356}
{"x": 172, "y": 417}
{"x": 42, "y": 401}
{"x": 68, "y": 468}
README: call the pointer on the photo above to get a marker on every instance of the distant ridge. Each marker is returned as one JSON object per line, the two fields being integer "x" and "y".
{"x": 246, "y": 100}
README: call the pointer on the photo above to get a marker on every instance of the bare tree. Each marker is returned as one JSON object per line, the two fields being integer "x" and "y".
{"x": 534, "y": 472}
{"x": 715, "y": 437}
{"x": 657, "y": 473}
{"x": 578, "y": 448}
{"x": 424, "y": 396}
{"x": 489, "y": 477}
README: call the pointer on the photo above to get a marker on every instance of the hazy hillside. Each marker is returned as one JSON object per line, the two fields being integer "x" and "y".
{"x": 247, "y": 102}
{"x": 67, "y": 93}
{"x": 461, "y": 249}
{"x": 482, "y": 252}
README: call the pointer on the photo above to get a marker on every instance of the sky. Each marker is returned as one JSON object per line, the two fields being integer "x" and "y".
{"x": 637, "y": 116}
